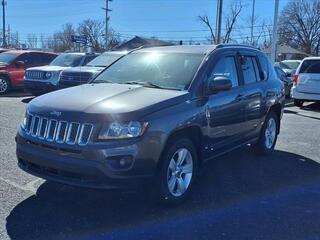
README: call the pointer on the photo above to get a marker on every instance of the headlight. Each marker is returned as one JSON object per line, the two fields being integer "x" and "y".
{"x": 24, "y": 122}
{"x": 117, "y": 130}
{"x": 48, "y": 74}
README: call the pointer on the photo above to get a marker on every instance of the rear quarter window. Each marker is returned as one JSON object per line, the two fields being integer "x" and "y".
{"x": 310, "y": 66}
{"x": 265, "y": 65}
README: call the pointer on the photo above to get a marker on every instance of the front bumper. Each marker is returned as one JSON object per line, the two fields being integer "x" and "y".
{"x": 39, "y": 86}
{"x": 304, "y": 96}
{"x": 87, "y": 166}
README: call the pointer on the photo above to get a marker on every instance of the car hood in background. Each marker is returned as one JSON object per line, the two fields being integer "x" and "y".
{"x": 85, "y": 69}
{"x": 48, "y": 68}
{"x": 108, "y": 99}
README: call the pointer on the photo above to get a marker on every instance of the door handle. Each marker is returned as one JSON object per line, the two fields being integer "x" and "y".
{"x": 239, "y": 97}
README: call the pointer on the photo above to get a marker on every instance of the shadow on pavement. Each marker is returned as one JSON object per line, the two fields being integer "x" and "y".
{"x": 16, "y": 93}
{"x": 27, "y": 100}
{"x": 238, "y": 196}
{"x": 315, "y": 107}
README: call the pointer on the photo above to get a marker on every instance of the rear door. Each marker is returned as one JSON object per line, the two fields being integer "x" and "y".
{"x": 253, "y": 91}
{"x": 309, "y": 76}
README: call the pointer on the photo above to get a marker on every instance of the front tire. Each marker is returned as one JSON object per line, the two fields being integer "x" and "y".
{"x": 297, "y": 102}
{"x": 178, "y": 170}
{"x": 4, "y": 85}
{"x": 268, "y": 135}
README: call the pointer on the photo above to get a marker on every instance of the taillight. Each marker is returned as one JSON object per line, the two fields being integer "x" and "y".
{"x": 295, "y": 79}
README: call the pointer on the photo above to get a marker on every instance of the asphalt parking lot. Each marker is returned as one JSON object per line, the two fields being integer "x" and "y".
{"x": 239, "y": 195}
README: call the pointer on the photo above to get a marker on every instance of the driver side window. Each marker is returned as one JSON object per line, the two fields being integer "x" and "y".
{"x": 226, "y": 67}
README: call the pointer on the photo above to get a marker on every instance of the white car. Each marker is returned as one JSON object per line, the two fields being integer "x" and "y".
{"x": 40, "y": 80}
{"x": 306, "y": 82}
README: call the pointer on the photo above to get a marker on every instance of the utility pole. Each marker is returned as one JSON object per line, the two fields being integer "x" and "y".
{"x": 252, "y": 21}
{"x": 106, "y": 34}
{"x": 219, "y": 21}
{"x": 4, "y": 43}
{"x": 275, "y": 32}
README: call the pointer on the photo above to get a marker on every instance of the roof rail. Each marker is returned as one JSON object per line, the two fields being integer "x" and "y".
{"x": 235, "y": 45}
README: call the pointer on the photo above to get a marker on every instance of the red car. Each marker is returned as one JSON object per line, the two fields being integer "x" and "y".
{"x": 14, "y": 63}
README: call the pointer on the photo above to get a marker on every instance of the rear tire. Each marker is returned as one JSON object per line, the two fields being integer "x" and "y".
{"x": 297, "y": 102}
{"x": 268, "y": 135}
{"x": 4, "y": 85}
{"x": 177, "y": 172}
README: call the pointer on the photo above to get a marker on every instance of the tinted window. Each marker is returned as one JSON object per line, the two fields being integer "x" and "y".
{"x": 47, "y": 58}
{"x": 67, "y": 60}
{"x": 88, "y": 59}
{"x": 167, "y": 70}
{"x": 27, "y": 58}
{"x": 264, "y": 63}
{"x": 310, "y": 66}
{"x": 8, "y": 57}
{"x": 104, "y": 60}
{"x": 250, "y": 69}
{"x": 226, "y": 67}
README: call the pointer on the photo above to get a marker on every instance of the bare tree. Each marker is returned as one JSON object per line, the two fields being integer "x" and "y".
{"x": 32, "y": 41}
{"x": 299, "y": 25}
{"x": 205, "y": 19}
{"x": 61, "y": 40}
{"x": 230, "y": 21}
{"x": 93, "y": 31}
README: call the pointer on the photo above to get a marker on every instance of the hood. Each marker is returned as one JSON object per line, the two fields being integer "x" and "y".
{"x": 48, "y": 68}
{"x": 85, "y": 69}
{"x": 107, "y": 99}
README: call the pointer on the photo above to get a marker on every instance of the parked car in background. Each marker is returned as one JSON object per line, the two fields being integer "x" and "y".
{"x": 80, "y": 75}
{"x": 306, "y": 82}
{"x": 286, "y": 79}
{"x": 14, "y": 63}
{"x": 152, "y": 118}
{"x": 40, "y": 80}
{"x": 289, "y": 66}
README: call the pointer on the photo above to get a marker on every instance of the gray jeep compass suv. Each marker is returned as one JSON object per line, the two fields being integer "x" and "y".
{"x": 154, "y": 116}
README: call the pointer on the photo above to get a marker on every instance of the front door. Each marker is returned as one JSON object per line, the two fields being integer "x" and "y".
{"x": 225, "y": 110}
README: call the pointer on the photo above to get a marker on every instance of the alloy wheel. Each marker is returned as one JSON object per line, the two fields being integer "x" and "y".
{"x": 179, "y": 173}
{"x": 270, "y": 133}
{"x": 3, "y": 85}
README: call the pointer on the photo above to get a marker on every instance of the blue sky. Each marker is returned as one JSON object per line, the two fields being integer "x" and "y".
{"x": 167, "y": 19}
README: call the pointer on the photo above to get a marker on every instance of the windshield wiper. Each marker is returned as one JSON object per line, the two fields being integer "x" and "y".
{"x": 147, "y": 84}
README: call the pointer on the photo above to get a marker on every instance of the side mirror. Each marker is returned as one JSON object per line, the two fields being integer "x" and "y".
{"x": 218, "y": 84}
{"x": 20, "y": 63}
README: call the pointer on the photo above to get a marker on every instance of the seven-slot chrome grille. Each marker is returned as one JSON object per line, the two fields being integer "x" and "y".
{"x": 32, "y": 74}
{"x": 59, "y": 131}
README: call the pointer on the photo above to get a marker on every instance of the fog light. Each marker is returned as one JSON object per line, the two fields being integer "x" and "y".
{"x": 120, "y": 162}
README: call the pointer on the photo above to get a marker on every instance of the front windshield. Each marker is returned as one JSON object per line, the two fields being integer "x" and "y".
{"x": 166, "y": 70}
{"x": 104, "y": 60}
{"x": 67, "y": 60}
{"x": 7, "y": 57}
{"x": 289, "y": 65}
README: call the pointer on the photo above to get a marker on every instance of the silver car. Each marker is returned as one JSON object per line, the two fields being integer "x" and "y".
{"x": 306, "y": 82}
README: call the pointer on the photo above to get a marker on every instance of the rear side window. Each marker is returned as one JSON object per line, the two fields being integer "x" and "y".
{"x": 48, "y": 58}
{"x": 310, "y": 66}
{"x": 250, "y": 69}
{"x": 226, "y": 67}
{"x": 264, "y": 63}
{"x": 88, "y": 59}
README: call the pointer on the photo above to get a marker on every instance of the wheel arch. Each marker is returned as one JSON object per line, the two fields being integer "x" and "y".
{"x": 193, "y": 133}
{"x": 277, "y": 109}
